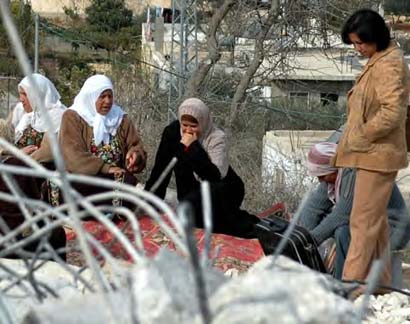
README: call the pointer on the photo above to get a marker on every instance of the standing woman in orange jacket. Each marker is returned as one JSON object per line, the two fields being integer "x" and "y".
{"x": 374, "y": 140}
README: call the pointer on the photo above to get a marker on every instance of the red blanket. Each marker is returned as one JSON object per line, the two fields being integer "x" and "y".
{"x": 234, "y": 252}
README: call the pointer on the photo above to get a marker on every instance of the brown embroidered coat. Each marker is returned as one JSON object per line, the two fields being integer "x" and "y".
{"x": 76, "y": 138}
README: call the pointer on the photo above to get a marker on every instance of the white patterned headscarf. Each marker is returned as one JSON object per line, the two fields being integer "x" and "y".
{"x": 319, "y": 156}
{"x": 319, "y": 164}
{"x": 48, "y": 97}
{"x": 104, "y": 126}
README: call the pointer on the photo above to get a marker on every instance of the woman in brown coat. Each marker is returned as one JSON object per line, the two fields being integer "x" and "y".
{"x": 374, "y": 140}
{"x": 97, "y": 138}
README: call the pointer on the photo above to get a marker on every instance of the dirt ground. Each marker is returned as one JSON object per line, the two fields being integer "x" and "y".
{"x": 402, "y": 26}
{"x": 406, "y": 269}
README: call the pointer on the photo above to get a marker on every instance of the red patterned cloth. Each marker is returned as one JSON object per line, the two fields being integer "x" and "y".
{"x": 234, "y": 253}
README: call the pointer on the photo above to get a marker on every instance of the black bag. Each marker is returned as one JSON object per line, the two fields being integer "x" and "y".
{"x": 300, "y": 247}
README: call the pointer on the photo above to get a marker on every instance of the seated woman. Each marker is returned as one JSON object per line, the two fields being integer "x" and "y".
{"x": 327, "y": 211}
{"x": 30, "y": 125}
{"x": 202, "y": 154}
{"x": 98, "y": 138}
{"x": 30, "y": 135}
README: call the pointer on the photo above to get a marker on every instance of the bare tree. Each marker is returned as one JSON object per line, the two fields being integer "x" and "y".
{"x": 240, "y": 92}
{"x": 196, "y": 80}
{"x": 275, "y": 29}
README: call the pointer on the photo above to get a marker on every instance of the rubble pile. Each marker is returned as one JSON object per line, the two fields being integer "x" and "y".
{"x": 163, "y": 290}
{"x": 391, "y": 308}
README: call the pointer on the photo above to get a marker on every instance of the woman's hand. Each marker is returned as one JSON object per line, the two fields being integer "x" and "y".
{"x": 188, "y": 138}
{"x": 116, "y": 170}
{"x": 131, "y": 161}
{"x": 29, "y": 149}
{"x": 134, "y": 161}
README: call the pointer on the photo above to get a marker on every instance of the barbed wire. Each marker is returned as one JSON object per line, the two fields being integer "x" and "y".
{"x": 77, "y": 207}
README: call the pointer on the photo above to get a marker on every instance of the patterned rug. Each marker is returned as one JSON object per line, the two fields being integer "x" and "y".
{"x": 233, "y": 252}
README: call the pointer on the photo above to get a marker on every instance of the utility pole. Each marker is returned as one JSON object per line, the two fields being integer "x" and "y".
{"x": 36, "y": 42}
{"x": 184, "y": 50}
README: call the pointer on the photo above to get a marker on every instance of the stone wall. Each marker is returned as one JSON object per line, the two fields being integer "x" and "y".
{"x": 284, "y": 156}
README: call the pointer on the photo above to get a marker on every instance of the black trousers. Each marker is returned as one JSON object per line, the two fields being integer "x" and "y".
{"x": 57, "y": 239}
{"x": 12, "y": 216}
{"x": 227, "y": 217}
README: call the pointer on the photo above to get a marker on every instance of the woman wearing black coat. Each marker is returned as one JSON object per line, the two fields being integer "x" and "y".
{"x": 202, "y": 154}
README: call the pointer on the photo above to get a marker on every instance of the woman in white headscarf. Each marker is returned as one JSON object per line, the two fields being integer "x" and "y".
{"x": 98, "y": 138}
{"x": 28, "y": 120}
{"x": 30, "y": 135}
{"x": 202, "y": 153}
{"x": 30, "y": 131}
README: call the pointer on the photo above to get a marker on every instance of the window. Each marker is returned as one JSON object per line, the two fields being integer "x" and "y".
{"x": 299, "y": 97}
{"x": 328, "y": 98}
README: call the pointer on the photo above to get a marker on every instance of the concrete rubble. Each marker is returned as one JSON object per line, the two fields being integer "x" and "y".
{"x": 163, "y": 291}
{"x": 391, "y": 308}
{"x": 18, "y": 299}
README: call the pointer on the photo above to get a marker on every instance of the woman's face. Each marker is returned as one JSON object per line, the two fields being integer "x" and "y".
{"x": 104, "y": 102}
{"x": 189, "y": 127}
{"x": 24, "y": 100}
{"x": 365, "y": 49}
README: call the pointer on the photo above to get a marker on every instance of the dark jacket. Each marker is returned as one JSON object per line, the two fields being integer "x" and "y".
{"x": 193, "y": 159}
{"x": 227, "y": 194}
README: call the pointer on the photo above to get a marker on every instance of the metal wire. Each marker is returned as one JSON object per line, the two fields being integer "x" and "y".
{"x": 207, "y": 214}
{"x": 76, "y": 207}
{"x": 185, "y": 213}
{"x": 58, "y": 160}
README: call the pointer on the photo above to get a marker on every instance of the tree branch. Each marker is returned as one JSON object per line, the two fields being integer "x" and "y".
{"x": 257, "y": 60}
{"x": 195, "y": 82}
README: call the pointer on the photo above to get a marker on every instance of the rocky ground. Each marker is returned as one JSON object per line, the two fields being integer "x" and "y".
{"x": 391, "y": 308}
{"x": 159, "y": 295}
{"x": 286, "y": 292}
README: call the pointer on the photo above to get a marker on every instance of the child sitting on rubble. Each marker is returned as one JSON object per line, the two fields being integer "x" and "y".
{"x": 327, "y": 210}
